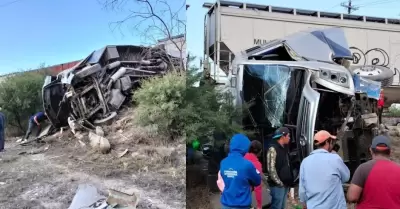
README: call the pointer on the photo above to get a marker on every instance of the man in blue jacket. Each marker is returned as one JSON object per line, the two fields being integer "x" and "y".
{"x": 239, "y": 175}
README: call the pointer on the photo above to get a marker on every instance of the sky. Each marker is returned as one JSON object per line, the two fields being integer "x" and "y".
{"x": 195, "y": 14}
{"x": 33, "y": 32}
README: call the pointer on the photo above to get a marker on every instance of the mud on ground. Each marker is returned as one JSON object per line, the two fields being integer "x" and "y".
{"x": 153, "y": 168}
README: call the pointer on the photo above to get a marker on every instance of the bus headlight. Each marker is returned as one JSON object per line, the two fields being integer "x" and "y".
{"x": 339, "y": 78}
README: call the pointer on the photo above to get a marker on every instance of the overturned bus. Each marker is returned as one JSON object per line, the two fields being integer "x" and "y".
{"x": 95, "y": 89}
{"x": 303, "y": 82}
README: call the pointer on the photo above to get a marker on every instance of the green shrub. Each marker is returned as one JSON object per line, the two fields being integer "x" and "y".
{"x": 178, "y": 108}
{"x": 207, "y": 110}
{"x": 20, "y": 97}
{"x": 159, "y": 101}
{"x": 393, "y": 112}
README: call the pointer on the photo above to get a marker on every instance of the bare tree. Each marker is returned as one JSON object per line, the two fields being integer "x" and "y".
{"x": 153, "y": 20}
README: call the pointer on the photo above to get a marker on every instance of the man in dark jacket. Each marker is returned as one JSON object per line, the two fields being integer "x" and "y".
{"x": 239, "y": 175}
{"x": 279, "y": 172}
{"x": 34, "y": 121}
{"x": 2, "y": 128}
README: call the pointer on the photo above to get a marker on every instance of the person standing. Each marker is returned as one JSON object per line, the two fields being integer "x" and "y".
{"x": 322, "y": 174}
{"x": 280, "y": 176}
{"x": 2, "y": 132}
{"x": 381, "y": 103}
{"x": 252, "y": 156}
{"x": 375, "y": 184}
{"x": 238, "y": 175}
{"x": 34, "y": 121}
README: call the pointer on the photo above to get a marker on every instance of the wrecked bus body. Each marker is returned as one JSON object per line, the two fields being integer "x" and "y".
{"x": 302, "y": 82}
{"x": 93, "y": 91}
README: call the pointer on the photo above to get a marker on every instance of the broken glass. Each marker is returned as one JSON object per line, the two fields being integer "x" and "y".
{"x": 276, "y": 80}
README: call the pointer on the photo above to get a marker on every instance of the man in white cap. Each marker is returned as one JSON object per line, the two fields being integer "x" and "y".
{"x": 322, "y": 174}
{"x": 375, "y": 183}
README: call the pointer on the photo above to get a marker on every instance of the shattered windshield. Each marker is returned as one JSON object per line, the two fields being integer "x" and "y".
{"x": 269, "y": 85}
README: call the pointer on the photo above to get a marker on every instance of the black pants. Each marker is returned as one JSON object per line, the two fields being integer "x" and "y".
{"x": 32, "y": 125}
{"x": 380, "y": 111}
{"x": 2, "y": 127}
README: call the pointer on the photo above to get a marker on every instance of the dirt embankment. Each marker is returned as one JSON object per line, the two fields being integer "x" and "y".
{"x": 153, "y": 168}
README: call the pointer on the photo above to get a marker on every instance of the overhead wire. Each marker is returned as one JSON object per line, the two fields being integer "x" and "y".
{"x": 379, "y": 2}
{"x": 363, "y": 3}
{"x": 338, "y": 5}
{"x": 327, "y": 10}
{"x": 9, "y": 3}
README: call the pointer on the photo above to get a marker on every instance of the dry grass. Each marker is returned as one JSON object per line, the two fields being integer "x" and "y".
{"x": 158, "y": 162}
{"x": 147, "y": 150}
{"x": 198, "y": 198}
{"x": 152, "y": 163}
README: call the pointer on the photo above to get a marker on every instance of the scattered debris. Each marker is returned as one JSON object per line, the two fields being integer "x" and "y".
{"x": 35, "y": 151}
{"x": 26, "y": 142}
{"x": 82, "y": 143}
{"x": 122, "y": 199}
{"x": 126, "y": 138}
{"x": 123, "y": 153}
{"x": 99, "y": 143}
{"x": 394, "y": 131}
{"x": 72, "y": 124}
{"x": 79, "y": 135}
{"x": 99, "y": 131}
{"x": 47, "y": 131}
{"x": 48, "y": 178}
{"x": 87, "y": 197}
{"x": 104, "y": 145}
{"x": 370, "y": 119}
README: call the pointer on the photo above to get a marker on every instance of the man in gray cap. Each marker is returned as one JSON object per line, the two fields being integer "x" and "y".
{"x": 375, "y": 183}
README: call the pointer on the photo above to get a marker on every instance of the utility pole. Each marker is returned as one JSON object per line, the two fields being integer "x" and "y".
{"x": 349, "y": 7}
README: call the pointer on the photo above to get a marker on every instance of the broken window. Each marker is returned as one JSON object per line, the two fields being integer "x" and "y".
{"x": 267, "y": 88}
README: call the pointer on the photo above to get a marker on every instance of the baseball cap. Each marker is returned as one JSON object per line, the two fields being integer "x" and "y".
{"x": 280, "y": 132}
{"x": 380, "y": 142}
{"x": 322, "y": 136}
